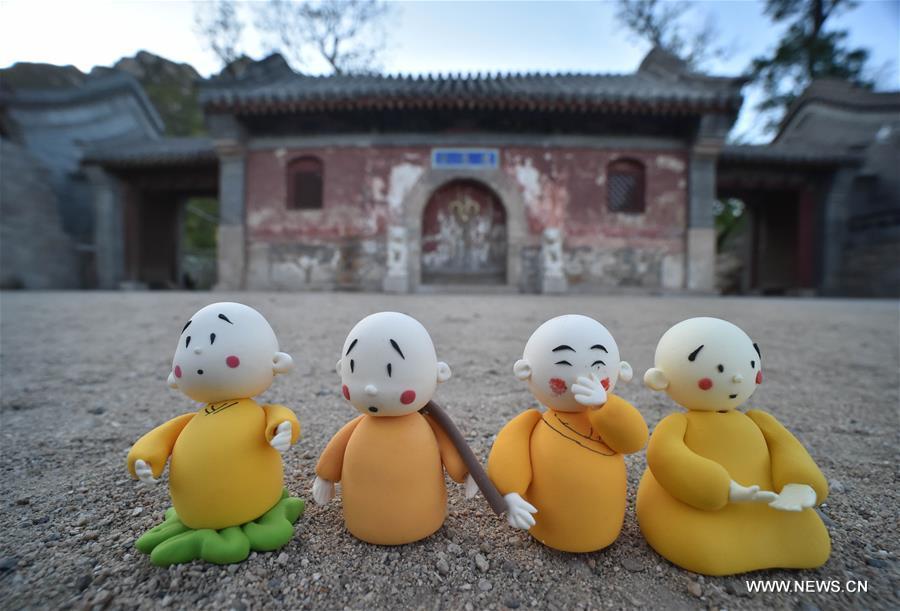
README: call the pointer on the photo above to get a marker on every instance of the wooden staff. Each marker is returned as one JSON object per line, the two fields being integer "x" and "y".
{"x": 490, "y": 492}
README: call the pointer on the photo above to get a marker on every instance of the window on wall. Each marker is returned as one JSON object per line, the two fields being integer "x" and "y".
{"x": 625, "y": 186}
{"x": 304, "y": 188}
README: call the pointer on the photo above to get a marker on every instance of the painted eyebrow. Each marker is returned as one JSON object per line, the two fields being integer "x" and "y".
{"x": 225, "y": 318}
{"x": 597, "y": 361}
{"x": 563, "y": 347}
{"x": 352, "y": 346}
{"x": 397, "y": 348}
{"x": 599, "y": 347}
{"x": 693, "y": 355}
{"x": 758, "y": 353}
{"x": 188, "y": 324}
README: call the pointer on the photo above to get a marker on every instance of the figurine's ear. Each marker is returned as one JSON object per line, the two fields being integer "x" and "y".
{"x": 337, "y": 366}
{"x": 443, "y": 372}
{"x": 522, "y": 370}
{"x": 171, "y": 381}
{"x": 282, "y": 362}
{"x": 656, "y": 379}
{"x": 625, "y": 372}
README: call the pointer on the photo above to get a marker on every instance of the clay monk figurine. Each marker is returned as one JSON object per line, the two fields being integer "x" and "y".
{"x": 725, "y": 492}
{"x": 567, "y": 461}
{"x": 391, "y": 458}
{"x": 225, "y": 474}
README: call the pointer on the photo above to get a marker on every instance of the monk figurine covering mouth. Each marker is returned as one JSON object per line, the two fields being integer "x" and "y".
{"x": 391, "y": 458}
{"x": 567, "y": 460}
{"x": 724, "y": 491}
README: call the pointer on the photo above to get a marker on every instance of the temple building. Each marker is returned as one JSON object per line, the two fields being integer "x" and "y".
{"x": 535, "y": 183}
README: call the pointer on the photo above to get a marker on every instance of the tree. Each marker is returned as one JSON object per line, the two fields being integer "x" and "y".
{"x": 347, "y": 34}
{"x": 217, "y": 23}
{"x": 807, "y": 51}
{"x": 663, "y": 24}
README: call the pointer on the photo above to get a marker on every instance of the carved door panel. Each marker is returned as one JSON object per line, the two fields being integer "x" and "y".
{"x": 464, "y": 235}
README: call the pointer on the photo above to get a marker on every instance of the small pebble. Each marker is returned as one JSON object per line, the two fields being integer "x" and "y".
{"x": 453, "y": 548}
{"x": 878, "y": 563}
{"x": 137, "y": 511}
{"x": 442, "y": 567}
{"x": 283, "y": 558}
{"x": 481, "y": 562}
{"x": 632, "y": 564}
{"x": 511, "y": 603}
{"x": 694, "y": 588}
{"x": 484, "y": 585}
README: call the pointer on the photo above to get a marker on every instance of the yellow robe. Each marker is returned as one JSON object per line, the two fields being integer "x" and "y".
{"x": 570, "y": 466}
{"x": 682, "y": 503}
{"x": 392, "y": 476}
{"x": 223, "y": 471}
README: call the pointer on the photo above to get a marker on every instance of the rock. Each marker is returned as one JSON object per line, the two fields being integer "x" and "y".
{"x": 481, "y": 562}
{"x": 486, "y": 547}
{"x": 136, "y": 512}
{"x": 878, "y": 563}
{"x": 632, "y": 564}
{"x": 453, "y": 548}
{"x": 283, "y": 558}
{"x": 805, "y": 605}
{"x": 442, "y": 567}
{"x": 511, "y": 603}
{"x": 166, "y": 601}
{"x": 23, "y": 500}
{"x": 484, "y": 585}
{"x": 836, "y": 486}
{"x": 694, "y": 588}
{"x": 82, "y": 583}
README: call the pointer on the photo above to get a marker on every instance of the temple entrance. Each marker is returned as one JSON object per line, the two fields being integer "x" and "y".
{"x": 464, "y": 235}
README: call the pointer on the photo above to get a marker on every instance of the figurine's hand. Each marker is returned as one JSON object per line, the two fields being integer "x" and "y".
{"x": 749, "y": 494}
{"x": 589, "y": 391}
{"x": 471, "y": 487}
{"x": 144, "y": 472}
{"x": 323, "y": 491}
{"x": 281, "y": 441}
{"x": 794, "y": 497}
{"x": 518, "y": 511}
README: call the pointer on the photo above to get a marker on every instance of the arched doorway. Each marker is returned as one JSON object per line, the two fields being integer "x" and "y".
{"x": 464, "y": 235}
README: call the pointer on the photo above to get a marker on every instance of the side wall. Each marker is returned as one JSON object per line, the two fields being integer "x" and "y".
{"x": 367, "y": 189}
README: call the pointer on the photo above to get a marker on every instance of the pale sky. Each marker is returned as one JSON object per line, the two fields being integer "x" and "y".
{"x": 431, "y": 37}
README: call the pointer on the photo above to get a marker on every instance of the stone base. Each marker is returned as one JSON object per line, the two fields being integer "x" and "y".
{"x": 396, "y": 284}
{"x": 553, "y": 285}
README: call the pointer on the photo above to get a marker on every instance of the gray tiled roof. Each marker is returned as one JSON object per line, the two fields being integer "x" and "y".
{"x": 779, "y": 153}
{"x": 164, "y": 151}
{"x": 96, "y": 88}
{"x": 279, "y": 87}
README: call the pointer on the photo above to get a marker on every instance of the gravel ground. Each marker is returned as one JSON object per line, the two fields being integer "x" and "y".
{"x": 83, "y": 376}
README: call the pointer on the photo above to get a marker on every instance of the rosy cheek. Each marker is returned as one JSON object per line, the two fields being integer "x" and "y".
{"x": 346, "y": 392}
{"x": 177, "y": 371}
{"x": 705, "y": 384}
{"x": 232, "y": 361}
{"x": 605, "y": 383}
{"x": 558, "y": 386}
{"x": 759, "y": 377}
{"x": 408, "y": 397}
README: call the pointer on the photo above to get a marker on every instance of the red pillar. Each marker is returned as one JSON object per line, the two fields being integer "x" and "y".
{"x": 806, "y": 223}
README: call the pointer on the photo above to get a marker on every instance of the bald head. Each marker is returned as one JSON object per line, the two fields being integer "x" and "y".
{"x": 706, "y": 364}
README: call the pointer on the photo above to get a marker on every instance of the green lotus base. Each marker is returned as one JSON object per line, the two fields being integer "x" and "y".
{"x": 174, "y": 543}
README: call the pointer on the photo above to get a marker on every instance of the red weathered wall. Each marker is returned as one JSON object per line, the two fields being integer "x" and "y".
{"x": 561, "y": 187}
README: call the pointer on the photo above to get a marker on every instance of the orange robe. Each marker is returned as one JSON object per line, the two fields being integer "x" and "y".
{"x": 391, "y": 471}
{"x": 570, "y": 466}
{"x": 682, "y": 502}
{"x": 223, "y": 471}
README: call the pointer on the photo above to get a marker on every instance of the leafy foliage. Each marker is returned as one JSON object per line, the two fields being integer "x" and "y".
{"x": 664, "y": 24}
{"x": 807, "y": 51}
